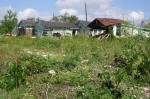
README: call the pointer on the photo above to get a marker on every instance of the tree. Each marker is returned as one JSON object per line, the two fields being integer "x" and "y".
{"x": 55, "y": 18}
{"x": 66, "y": 18}
{"x": 73, "y": 19}
{"x": 8, "y": 22}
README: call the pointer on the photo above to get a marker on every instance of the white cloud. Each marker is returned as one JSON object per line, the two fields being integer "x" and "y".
{"x": 136, "y": 16}
{"x": 102, "y": 4}
{"x": 82, "y": 17}
{"x": 118, "y": 13}
{"x": 69, "y": 11}
{"x": 3, "y": 11}
{"x": 101, "y": 8}
{"x": 32, "y": 13}
{"x": 110, "y": 13}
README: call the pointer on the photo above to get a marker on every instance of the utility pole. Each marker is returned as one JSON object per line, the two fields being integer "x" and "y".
{"x": 86, "y": 12}
{"x": 53, "y": 15}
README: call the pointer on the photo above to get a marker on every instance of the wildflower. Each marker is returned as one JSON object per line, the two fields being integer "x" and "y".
{"x": 134, "y": 96}
{"x": 52, "y": 72}
{"x": 33, "y": 37}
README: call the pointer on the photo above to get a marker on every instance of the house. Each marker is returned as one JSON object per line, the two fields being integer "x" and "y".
{"x": 83, "y": 26}
{"x": 134, "y": 30}
{"x": 26, "y": 27}
{"x": 105, "y": 26}
{"x": 46, "y": 28}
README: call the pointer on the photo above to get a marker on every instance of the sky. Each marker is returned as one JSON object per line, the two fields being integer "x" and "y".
{"x": 133, "y": 10}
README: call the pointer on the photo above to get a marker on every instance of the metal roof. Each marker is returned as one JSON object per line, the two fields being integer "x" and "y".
{"x": 108, "y": 22}
{"x": 49, "y": 24}
{"x": 29, "y": 23}
{"x": 62, "y": 25}
{"x": 86, "y": 23}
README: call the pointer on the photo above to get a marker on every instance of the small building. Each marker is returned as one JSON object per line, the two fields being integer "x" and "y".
{"x": 134, "y": 30}
{"x": 105, "y": 26}
{"x": 46, "y": 28}
{"x": 83, "y": 26}
{"x": 26, "y": 27}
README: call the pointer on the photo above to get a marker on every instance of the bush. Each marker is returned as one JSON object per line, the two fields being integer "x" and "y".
{"x": 135, "y": 60}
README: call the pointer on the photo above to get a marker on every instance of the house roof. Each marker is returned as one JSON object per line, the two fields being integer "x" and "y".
{"x": 86, "y": 23}
{"x": 49, "y": 24}
{"x": 108, "y": 22}
{"x": 62, "y": 25}
{"x": 29, "y": 23}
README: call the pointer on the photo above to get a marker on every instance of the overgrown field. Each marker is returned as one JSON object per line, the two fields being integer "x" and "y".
{"x": 74, "y": 68}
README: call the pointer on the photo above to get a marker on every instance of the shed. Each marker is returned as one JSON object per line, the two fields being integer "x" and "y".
{"x": 103, "y": 25}
{"x": 46, "y": 28}
{"x": 83, "y": 26}
{"x": 25, "y": 27}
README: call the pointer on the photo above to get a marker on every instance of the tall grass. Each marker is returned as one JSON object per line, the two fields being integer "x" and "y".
{"x": 82, "y": 66}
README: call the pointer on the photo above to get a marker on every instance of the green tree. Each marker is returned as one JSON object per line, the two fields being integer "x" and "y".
{"x": 66, "y": 18}
{"x": 8, "y": 22}
{"x": 55, "y": 18}
{"x": 73, "y": 19}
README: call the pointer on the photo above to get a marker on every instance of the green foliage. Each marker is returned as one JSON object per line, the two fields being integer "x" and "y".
{"x": 66, "y": 18}
{"x": 135, "y": 61}
{"x": 55, "y": 18}
{"x": 73, "y": 19}
{"x": 112, "y": 33}
{"x": 27, "y": 65}
{"x": 85, "y": 67}
{"x": 8, "y": 22}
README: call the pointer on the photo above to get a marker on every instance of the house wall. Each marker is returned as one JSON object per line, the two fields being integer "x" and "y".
{"x": 24, "y": 30}
{"x": 28, "y": 31}
{"x": 115, "y": 30}
{"x": 82, "y": 28}
{"x": 133, "y": 30}
{"x": 95, "y": 32}
{"x": 62, "y": 31}
{"x": 38, "y": 29}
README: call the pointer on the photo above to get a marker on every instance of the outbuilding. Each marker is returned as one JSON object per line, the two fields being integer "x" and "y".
{"x": 83, "y": 27}
{"x": 46, "y": 28}
{"x": 105, "y": 26}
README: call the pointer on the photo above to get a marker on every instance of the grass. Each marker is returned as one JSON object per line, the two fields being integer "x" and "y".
{"x": 82, "y": 66}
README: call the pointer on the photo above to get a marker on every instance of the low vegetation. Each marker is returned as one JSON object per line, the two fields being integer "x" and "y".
{"x": 83, "y": 67}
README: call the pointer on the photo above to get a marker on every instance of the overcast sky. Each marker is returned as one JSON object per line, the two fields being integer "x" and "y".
{"x": 136, "y": 10}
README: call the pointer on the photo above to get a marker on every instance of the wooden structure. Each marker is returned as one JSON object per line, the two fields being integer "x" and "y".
{"x": 25, "y": 27}
{"x": 46, "y": 28}
{"x": 83, "y": 27}
{"x": 105, "y": 26}
{"x": 134, "y": 30}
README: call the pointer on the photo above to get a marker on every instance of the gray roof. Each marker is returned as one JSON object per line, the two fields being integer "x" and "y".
{"x": 84, "y": 22}
{"x": 49, "y": 24}
{"x": 62, "y": 24}
{"x": 29, "y": 23}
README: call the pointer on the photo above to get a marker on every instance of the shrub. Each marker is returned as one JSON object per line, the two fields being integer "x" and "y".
{"x": 135, "y": 60}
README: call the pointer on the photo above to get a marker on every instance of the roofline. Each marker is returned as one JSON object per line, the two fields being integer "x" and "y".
{"x": 110, "y": 18}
